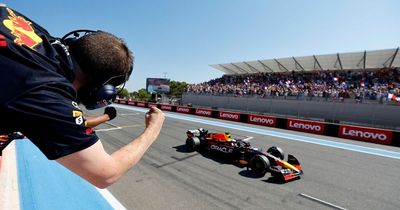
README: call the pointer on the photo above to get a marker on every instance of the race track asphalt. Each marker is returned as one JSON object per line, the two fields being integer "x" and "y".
{"x": 168, "y": 177}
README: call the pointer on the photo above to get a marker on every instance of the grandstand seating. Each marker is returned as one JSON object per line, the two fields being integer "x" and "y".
{"x": 360, "y": 85}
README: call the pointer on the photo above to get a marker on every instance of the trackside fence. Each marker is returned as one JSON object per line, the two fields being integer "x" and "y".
{"x": 359, "y": 133}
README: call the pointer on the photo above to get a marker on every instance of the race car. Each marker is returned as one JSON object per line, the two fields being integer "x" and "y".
{"x": 244, "y": 155}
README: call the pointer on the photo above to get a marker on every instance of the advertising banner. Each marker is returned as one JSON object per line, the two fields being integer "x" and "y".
{"x": 305, "y": 126}
{"x": 379, "y": 136}
{"x": 261, "y": 120}
{"x": 204, "y": 112}
{"x": 183, "y": 109}
{"x": 233, "y": 116}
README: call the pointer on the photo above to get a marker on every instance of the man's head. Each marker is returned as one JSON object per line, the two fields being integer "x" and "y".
{"x": 101, "y": 62}
{"x": 101, "y": 56}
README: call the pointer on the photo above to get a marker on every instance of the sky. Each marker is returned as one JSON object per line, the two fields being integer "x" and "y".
{"x": 179, "y": 39}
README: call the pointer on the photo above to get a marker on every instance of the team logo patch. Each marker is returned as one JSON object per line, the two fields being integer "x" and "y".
{"x": 89, "y": 131}
{"x": 79, "y": 120}
{"x": 76, "y": 113}
{"x": 74, "y": 104}
{"x": 22, "y": 30}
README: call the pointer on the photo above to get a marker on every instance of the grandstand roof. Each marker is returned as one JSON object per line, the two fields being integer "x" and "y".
{"x": 376, "y": 59}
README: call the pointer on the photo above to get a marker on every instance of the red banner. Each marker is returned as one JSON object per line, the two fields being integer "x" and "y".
{"x": 151, "y": 105}
{"x": 366, "y": 134}
{"x": 131, "y": 103}
{"x": 261, "y": 120}
{"x": 166, "y": 107}
{"x": 233, "y": 116}
{"x": 183, "y": 109}
{"x": 305, "y": 126}
{"x": 203, "y": 112}
{"x": 141, "y": 104}
{"x": 122, "y": 101}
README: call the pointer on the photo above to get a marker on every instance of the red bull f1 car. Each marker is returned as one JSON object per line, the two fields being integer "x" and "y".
{"x": 243, "y": 154}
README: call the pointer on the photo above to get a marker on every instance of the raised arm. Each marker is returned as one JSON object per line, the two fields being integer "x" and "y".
{"x": 102, "y": 169}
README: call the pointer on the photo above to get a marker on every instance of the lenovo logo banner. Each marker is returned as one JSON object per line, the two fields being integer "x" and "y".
{"x": 141, "y": 104}
{"x": 234, "y": 116}
{"x": 166, "y": 107}
{"x": 116, "y": 101}
{"x": 305, "y": 126}
{"x": 261, "y": 120}
{"x": 131, "y": 103}
{"x": 151, "y": 105}
{"x": 203, "y": 112}
{"x": 182, "y": 109}
{"x": 122, "y": 101}
{"x": 365, "y": 134}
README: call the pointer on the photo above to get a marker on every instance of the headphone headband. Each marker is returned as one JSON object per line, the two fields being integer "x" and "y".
{"x": 75, "y": 33}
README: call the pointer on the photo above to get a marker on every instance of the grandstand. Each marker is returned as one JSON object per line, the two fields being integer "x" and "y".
{"x": 367, "y": 60}
{"x": 359, "y": 77}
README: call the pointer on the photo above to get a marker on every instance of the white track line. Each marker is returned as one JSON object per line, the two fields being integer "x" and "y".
{"x": 129, "y": 114}
{"x": 322, "y": 201}
{"x": 108, "y": 129}
{"x": 111, "y": 199}
{"x": 112, "y": 124}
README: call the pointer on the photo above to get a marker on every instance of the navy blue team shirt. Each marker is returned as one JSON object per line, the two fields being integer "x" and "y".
{"x": 36, "y": 93}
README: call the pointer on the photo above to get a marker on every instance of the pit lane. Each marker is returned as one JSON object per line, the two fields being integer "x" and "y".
{"x": 170, "y": 178}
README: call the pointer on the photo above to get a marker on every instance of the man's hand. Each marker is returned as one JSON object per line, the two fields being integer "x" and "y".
{"x": 111, "y": 112}
{"x": 154, "y": 117}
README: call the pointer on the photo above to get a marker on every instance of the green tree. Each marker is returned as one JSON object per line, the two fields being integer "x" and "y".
{"x": 177, "y": 88}
{"x": 143, "y": 94}
{"x": 123, "y": 94}
{"x": 133, "y": 94}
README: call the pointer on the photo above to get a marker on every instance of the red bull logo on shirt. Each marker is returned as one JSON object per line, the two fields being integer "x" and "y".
{"x": 22, "y": 30}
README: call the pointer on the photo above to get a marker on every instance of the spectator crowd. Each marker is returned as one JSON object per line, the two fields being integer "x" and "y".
{"x": 329, "y": 85}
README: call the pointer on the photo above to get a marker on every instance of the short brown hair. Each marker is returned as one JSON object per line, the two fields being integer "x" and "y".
{"x": 102, "y": 55}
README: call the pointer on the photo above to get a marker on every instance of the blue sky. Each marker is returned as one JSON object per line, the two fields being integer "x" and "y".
{"x": 183, "y": 37}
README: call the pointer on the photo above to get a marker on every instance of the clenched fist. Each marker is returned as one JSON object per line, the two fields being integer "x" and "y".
{"x": 154, "y": 117}
{"x": 111, "y": 112}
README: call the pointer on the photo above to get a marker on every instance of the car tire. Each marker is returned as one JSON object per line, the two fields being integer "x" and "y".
{"x": 276, "y": 152}
{"x": 192, "y": 144}
{"x": 259, "y": 165}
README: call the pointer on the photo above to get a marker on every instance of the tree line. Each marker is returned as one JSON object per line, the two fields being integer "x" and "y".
{"x": 176, "y": 90}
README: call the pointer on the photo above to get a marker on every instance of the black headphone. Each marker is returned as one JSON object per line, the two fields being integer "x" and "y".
{"x": 100, "y": 95}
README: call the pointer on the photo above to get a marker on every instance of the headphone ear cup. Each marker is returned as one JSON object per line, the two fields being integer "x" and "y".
{"x": 95, "y": 98}
{"x": 106, "y": 92}
{"x": 68, "y": 41}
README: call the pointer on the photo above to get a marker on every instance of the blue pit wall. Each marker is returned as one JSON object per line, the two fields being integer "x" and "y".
{"x": 46, "y": 185}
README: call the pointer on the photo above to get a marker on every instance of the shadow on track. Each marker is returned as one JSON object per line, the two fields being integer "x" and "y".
{"x": 181, "y": 149}
{"x": 276, "y": 180}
